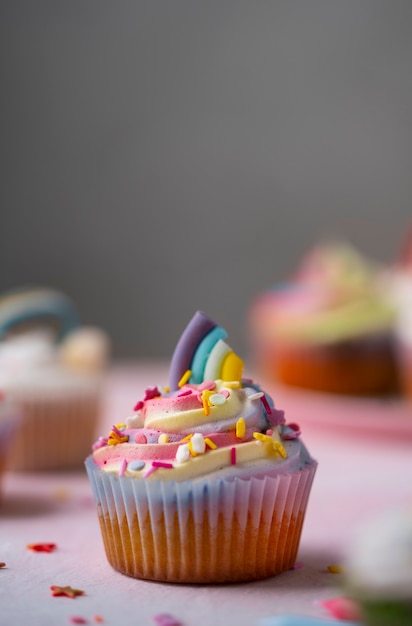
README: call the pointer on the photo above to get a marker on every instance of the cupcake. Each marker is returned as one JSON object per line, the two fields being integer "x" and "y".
{"x": 329, "y": 328}
{"x": 51, "y": 368}
{"x": 9, "y": 422}
{"x": 378, "y": 570}
{"x": 204, "y": 482}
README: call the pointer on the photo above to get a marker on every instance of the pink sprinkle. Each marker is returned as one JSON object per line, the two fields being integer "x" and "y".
{"x": 186, "y": 392}
{"x": 100, "y": 443}
{"x": 275, "y": 416}
{"x": 76, "y": 619}
{"x": 207, "y": 384}
{"x": 162, "y": 464}
{"x": 151, "y": 392}
{"x": 298, "y": 565}
{"x": 164, "y": 619}
{"x": 233, "y": 456}
{"x": 123, "y": 467}
{"x": 117, "y": 431}
{"x": 269, "y": 432}
{"x": 225, "y": 393}
{"x": 149, "y": 471}
{"x": 139, "y": 405}
{"x": 140, "y": 438}
{"x": 266, "y": 404}
{"x": 343, "y": 609}
{"x": 294, "y": 426}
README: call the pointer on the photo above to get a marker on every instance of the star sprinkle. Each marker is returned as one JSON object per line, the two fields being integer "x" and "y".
{"x": 42, "y": 547}
{"x": 67, "y": 591}
{"x": 151, "y": 392}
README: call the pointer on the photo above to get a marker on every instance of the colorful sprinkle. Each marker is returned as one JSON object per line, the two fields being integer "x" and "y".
{"x": 42, "y": 547}
{"x": 187, "y": 438}
{"x": 207, "y": 384}
{"x": 240, "y": 428}
{"x": 67, "y": 591}
{"x": 123, "y": 467}
{"x": 140, "y": 438}
{"x": 186, "y": 392}
{"x": 256, "y": 396}
{"x": 232, "y": 384}
{"x": 198, "y": 443}
{"x": 149, "y": 472}
{"x": 298, "y": 565}
{"x": 162, "y": 464}
{"x": 265, "y": 403}
{"x": 184, "y": 378}
{"x": 116, "y": 437}
{"x": 210, "y": 444}
{"x": 224, "y": 392}
{"x": 343, "y": 609}
{"x": 217, "y": 399}
{"x": 192, "y": 452}
{"x": 183, "y": 453}
{"x": 2, "y": 564}
{"x": 135, "y": 466}
{"x": 233, "y": 456}
{"x": 139, "y": 405}
{"x": 163, "y": 438}
{"x": 77, "y": 619}
{"x": 279, "y": 448}
{"x": 151, "y": 392}
{"x": 335, "y": 569}
{"x": 263, "y": 438}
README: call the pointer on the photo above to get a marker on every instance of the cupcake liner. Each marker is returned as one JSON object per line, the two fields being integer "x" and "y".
{"x": 56, "y": 432}
{"x": 211, "y": 530}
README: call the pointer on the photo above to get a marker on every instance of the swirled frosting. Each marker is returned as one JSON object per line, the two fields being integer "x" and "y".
{"x": 225, "y": 426}
{"x": 335, "y": 295}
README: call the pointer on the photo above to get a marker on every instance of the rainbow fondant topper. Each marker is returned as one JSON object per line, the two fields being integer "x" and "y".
{"x": 202, "y": 351}
{"x": 37, "y": 304}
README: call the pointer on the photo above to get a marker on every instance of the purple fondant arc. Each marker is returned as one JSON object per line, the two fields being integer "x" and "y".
{"x": 197, "y": 328}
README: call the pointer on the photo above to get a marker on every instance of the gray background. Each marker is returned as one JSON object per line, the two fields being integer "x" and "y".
{"x": 163, "y": 156}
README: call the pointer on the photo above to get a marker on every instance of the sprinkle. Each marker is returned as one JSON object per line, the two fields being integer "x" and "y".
{"x": 165, "y": 619}
{"x": 263, "y": 438}
{"x": 166, "y": 389}
{"x": 266, "y": 403}
{"x": 151, "y": 392}
{"x": 2, "y": 564}
{"x": 279, "y": 448}
{"x": 184, "y": 378}
{"x": 343, "y": 609}
{"x": 76, "y": 619}
{"x": 139, "y": 405}
{"x": 186, "y": 392}
{"x": 269, "y": 432}
{"x": 120, "y": 426}
{"x": 42, "y": 547}
{"x": 116, "y": 437}
{"x": 192, "y": 452}
{"x": 198, "y": 443}
{"x": 68, "y": 591}
{"x": 187, "y": 438}
{"x": 183, "y": 453}
{"x": 276, "y": 417}
{"x": 224, "y": 392}
{"x": 335, "y": 569}
{"x": 256, "y": 396}
{"x": 205, "y": 401}
{"x": 140, "y": 438}
{"x": 123, "y": 467}
{"x": 217, "y": 399}
{"x": 240, "y": 428}
{"x": 100, "y": 443}
{"x": 162, "y": 464}
{"x": 135, "y": 466}
{"x": 149, "y": 471}
{"x": 232, "y": 384}
{"x": 210, "y": 444}
{"x": 298, "y": 565}
{"x": 207, "y": 384}
{"x": 233, "y": 456}
{"x": 163, "y": 438}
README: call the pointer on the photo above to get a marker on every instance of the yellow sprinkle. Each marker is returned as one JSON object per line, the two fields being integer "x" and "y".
{"x": 205, "y": 401}
{"x": 166, "y": 389}
{"x": 210, "y": 444}
{"x": 279, "y": 448}
{"x": 120, "y": 426}
{"x": 190, "y": 446}
{"x": 184, "y": 378}
{"x": 163, "y": 438}
{"x": 262, "y": 437}
{"x": 232, "y": 384}
{"x": 335, "y": 569}
{"x": 187, "y": 438}
{"x": 240, "y": 428}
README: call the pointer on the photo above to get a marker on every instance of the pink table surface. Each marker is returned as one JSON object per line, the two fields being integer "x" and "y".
{"x": 364, "y": 452}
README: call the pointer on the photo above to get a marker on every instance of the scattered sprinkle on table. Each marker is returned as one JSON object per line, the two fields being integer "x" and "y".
{"x": 335, "y": 569}
{"x": 2, "y": 564}
{"x": 165, "y": 619}
{"x": 77, "y": 619}
{"x": 42, "y": 547}
{"x": 67, "y": 591}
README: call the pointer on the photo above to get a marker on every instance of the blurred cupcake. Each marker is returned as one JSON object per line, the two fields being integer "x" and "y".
{"x": 378, "y": 570}
{"x": 205, "y": 482}
{"x": 329, "y": 328}
{"x": 52, "y": 368}
{"x": 9, "y": 423}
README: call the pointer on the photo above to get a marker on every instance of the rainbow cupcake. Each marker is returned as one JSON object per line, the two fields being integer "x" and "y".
{"x": 51, "y": 368}
{"x": 205, "y": 482}
{"x": 329, "y": 328}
